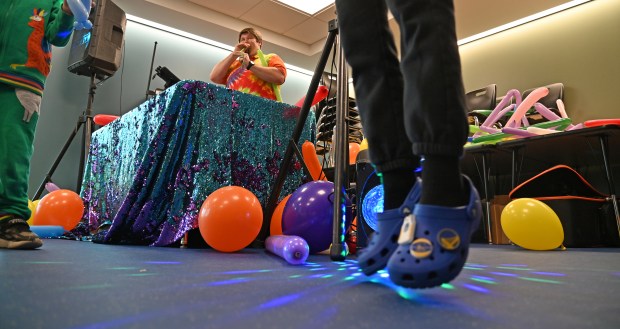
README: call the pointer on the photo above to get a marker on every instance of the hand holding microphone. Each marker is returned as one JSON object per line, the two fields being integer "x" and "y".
{"x": 240, "y": 57}
{"x": 240, "y": 50}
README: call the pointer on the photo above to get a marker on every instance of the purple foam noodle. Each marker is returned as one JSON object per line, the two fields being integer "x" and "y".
{"x": 292, "y": 248}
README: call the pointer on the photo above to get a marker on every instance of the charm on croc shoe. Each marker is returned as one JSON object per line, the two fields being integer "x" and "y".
{"x": 407, "y": 230}
{"x": 437, "y": 227}
{"x": 421, "y": 248}
{"x": 448, "y": 239}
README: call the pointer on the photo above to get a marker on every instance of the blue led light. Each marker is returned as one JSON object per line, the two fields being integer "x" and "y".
{"x": 371, "y": 205}
{"x": 64, "y": 34}
{"x": 85, "y": 39}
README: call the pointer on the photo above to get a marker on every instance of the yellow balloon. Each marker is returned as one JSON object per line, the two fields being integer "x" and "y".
{"x": 363, "y": 144}
{"x": 32, "y": 205}
{"x": 531, "y": 224}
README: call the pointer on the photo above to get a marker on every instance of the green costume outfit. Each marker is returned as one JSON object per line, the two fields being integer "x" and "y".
{"x": 28, "y": 29}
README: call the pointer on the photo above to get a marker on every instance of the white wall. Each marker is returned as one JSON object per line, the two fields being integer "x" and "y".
{"x": 579, "y": 47}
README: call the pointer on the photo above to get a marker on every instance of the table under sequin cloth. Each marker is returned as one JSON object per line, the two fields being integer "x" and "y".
{"x": 149, "y": 171}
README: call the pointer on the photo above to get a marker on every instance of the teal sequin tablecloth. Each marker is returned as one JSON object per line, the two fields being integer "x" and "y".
{"x": 149, "y": 171}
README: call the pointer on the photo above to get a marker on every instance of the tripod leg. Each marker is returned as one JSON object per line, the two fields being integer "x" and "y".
{"x": 88, "y": 124}
{"x": 301, "y": 121}
{"x": 49, "y": 174}
{"x": 338, "y": 251}
{"x": 88, "y": 130}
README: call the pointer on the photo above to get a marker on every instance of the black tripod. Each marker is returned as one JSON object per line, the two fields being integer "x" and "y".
{"x": 341, "y": 182}
{"x": 87, "y": 120}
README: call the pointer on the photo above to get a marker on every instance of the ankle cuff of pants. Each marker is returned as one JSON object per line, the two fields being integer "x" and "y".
{"x": 439, "y": 150}
{"x": 397, "y": 164}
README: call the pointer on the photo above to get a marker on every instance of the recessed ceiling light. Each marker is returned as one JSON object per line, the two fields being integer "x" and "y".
{"x": 310, "y": 7}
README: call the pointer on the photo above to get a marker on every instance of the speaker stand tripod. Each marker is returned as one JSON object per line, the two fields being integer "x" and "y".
{"x": 338, "y": 247}
{"x": 85, "y": 119}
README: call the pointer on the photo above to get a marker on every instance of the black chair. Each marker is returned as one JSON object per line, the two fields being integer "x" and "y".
{"x": 556, "y": 91}
{"x": 480, "y": 103}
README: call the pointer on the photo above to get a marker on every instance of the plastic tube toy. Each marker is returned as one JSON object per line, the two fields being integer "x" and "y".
{"x": 292, "y": 248}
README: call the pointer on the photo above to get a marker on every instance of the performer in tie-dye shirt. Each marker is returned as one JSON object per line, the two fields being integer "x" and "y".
{"x": 249, "y": 70}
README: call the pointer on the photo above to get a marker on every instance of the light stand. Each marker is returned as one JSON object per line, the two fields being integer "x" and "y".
{"x": 337, "y": 251}
{"x": 87, "y": 120}
{"x": 148, "y": 85}
{"x": 338, "y": 247}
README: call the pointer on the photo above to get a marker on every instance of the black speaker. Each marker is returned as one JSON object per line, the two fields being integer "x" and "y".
{"x": 369, "y": 198}
{"x": 99, "y": 50}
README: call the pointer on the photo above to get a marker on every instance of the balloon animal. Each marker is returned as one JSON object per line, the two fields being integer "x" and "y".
{"x": 80, "y": 10}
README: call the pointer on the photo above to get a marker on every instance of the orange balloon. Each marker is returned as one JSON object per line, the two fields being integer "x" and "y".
{"x": 321, "y": 93}
{"x": 104, "y": 119}
{"x": 60, "y": 208}
{"x": 230, "y": 218}
{"x": 312, "y": 161}
{"x": 276, "y": 219}
{"x": 351, "y": 237}
{"x": 354, "y": 149}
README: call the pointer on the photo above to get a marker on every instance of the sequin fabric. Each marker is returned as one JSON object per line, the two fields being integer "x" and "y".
{"x": 149, "y": 171}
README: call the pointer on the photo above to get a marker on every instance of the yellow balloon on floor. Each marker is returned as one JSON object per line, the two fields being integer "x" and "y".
{"x": 363, "y": 144}
{"x": 32, "y": 205}
{"x": 531, "y": 224}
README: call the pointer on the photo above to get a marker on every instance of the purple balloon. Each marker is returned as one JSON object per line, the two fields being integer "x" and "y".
{"x": 309, "y": 214}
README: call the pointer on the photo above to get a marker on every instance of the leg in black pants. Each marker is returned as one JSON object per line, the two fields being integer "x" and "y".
{"x": 410, "y": 109}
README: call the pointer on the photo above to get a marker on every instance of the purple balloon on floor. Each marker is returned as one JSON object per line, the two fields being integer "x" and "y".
{"x": 309, "y": 214}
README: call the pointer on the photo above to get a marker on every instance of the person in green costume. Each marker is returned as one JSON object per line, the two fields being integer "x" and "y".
{"x": 28, "y": 30}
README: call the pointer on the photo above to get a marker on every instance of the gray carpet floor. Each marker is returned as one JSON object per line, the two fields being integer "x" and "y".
{"x": 71, "y": 284}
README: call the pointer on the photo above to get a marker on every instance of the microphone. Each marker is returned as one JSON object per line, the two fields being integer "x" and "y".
{"x": 240, "y": 58}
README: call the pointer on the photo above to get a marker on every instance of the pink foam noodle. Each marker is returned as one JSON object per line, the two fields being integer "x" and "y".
{"x": 546, "y": 112}
{"x": 500, "y": 109}
{"x": 561, "y": 108}
{"x": 518, "y": 132}
{"x": 527, "y": 103}
{"x": 51, "y": 187}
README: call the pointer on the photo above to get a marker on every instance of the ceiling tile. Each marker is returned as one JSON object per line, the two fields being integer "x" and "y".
{"x": 234, "y": 8}
{"x": 273, "y": 16}
{"x": 299, "y": 30}
{"x": 327, "y": 15}
{"x": 309, "y": 32}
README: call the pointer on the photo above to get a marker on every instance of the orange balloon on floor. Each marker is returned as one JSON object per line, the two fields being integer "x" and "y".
{"x": 60, "y": 208}
{"x": 275, "y": 228}
{"x": 230, "y": 218}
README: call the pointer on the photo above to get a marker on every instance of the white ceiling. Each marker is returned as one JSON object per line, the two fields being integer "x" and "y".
{"x": 303, "y": 33}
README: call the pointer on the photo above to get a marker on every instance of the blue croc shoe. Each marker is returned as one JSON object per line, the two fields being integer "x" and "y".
{"x": 383, "y": 241}
{"x": 434, "y": 243}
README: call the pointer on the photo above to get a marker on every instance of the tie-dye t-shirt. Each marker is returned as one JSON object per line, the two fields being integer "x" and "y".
{"x": 239, "y": 78}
